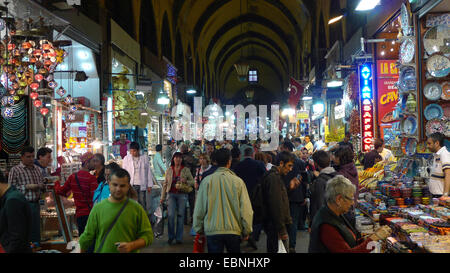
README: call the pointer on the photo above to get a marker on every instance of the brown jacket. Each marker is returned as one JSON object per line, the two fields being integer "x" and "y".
{"x": 185, "y": 173}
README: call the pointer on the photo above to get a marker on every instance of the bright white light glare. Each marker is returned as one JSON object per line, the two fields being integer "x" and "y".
{"x": 83, "y": 55}
{"x": 163, "y": 101}
{"x": 191, "y": 91}
{"x": 288, "y": 112}
{"x": 63, "y": 66}
{"x": 393, "y": 42}
{"x": 318, "y": 108}
{"x": 392, "y": 50}
{"x": 335, "y": 19}
{"x": 365, "y": 5}
{"x": 86, "y": 66}
{"x": 335, "y": 83}
{"x": 144, "y": 114}
{"x": 382, "y": 53}
{"x": 97, "y": 144}
{"x": 307, "y": 98}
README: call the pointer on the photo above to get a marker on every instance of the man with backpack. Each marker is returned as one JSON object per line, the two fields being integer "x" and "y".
{"x": 322, "y": 164}
{"x": 273, "y": 206}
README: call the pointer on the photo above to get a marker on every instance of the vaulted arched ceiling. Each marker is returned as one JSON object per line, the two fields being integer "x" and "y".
{"x": 216, "y": 33}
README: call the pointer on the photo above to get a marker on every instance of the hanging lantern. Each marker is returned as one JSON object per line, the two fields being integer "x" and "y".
{"x": 26, "y": 45}
{"x": 73, "y": 108}
{"x": 52, "y": 84}
{"x": 249, "y": 94}
{"x": 242, "y": 68}
{"x": 37, "y": 103}
{"x": 34, "y": 86}
{"x": 38, "y": 77}
{"x": 11, "y": 47}
{"x": 34, "y": 95}
{"x": 44, "y": 111}
{"x": 61, "y": 91}
{"x": 21, "y": 92}
{"x": 7, "y": 112}
{"x": 16, "y": 98}
{"x": 68, "y": 99}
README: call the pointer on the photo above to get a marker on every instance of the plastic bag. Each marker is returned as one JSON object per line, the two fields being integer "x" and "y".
{"x": 158, "y": 227}
{"x": 199, "y": 243}
{"x": 281, "y": 247}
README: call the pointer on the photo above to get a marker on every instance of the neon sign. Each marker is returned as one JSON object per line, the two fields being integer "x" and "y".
{"x": 367, "y": 110}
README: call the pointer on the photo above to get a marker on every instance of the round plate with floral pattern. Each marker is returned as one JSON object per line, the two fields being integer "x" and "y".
{"x": 407, "y": 51}
{"x": 407, "y": 79}
{"x": 435, "y": 126}
{"x": 438, "y": 66}
{"x": 436, "y": 40}
{"x": 445, "y": 91}
{"x": 432, "y": 91}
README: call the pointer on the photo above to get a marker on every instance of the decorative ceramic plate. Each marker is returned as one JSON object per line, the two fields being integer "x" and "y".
{"x": 445, "y": 91}
{"x": 438, "y": 66}
{"x": 435, "y": 126}
{"x": 411, "y": 146}
{"x": 447, "y": 128}
{"x": 409, "y": 125}
{"x": 446, "y": 108}
{"x": 407, "y": 79}
{"x": 407, "y": 51}
{"x": 433, "y": 111}
{"x": 436, "y": 39}
{"x": 405, "y": 20}
{"x": 432, "y": 91}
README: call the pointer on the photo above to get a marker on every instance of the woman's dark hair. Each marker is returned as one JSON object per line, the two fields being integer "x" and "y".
{"x": 101, "y": 158}
{"x": 135, "y": 146}
{"x": 177, "y": 154}
{"x": 43, "y": 152}
{"x": 345, "y": 155}
{"x": 223, "y": 156}
{"x": 378, "y": 143}
{"x": 158, "y": 148}
{"x": 112, "y": 166}
{"x": 261, "y": 157}
{"x": 121, "y": 173}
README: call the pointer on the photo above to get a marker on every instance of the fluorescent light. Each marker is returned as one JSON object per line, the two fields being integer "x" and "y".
{"x": 163, "y": 101}
{"x": 83, "y": 55}
{"x": 288, "y": 112}
{"x": 335, "y": 19}
{"x": 191, "y": 91}
{"x": 318, "y": 108}
{"x": 365, "y": 5}
{"x": 335, "y": 83}
{"x": 144, "y": 114}
{"x": 307, "y": 98}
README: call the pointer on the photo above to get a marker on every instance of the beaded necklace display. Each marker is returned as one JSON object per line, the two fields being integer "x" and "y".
{"x": 14, "y": 133}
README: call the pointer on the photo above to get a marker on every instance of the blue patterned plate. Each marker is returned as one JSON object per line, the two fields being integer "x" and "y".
{"x": 433, "y": 111}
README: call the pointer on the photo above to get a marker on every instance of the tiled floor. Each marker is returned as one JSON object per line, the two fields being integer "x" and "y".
{"x": 160, "y": 245}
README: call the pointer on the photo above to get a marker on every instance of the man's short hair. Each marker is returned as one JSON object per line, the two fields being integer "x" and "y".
{"x": 248, "y": 152}
{"x": 235, "y": 152}
{"x": 184, "y": 148}
{"x": 285, "y": 157}
{"x": 223, "y": 156}
{"x": 27, "y": 149}
{"x": 214, "y": 156}
{"x": 378, "y": 143}
{"x": 158, "y": 148}
{"x": 439, "y": 137}
{"x": 135, "y": 146}
{"x": 3, "y": 179}
{"x": 322, "y": 159}
{"x": 288, "y": 145}
{"x": 297, "y": 139}
{"x": 121, "y": 173}
{"x": 43, "y": 152}
{"x": 112, "y": 166}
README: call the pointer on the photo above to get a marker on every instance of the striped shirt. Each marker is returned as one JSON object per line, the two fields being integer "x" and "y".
{"x": 441, "y": 162}
{"x": 83, "y": 197}
{"x": 21, "y": 175}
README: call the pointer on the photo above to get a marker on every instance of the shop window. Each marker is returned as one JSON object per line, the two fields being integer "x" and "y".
{"x": 253, "y": 76}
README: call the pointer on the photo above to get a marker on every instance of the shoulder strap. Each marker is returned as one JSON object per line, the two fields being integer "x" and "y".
{"x": 82, "y": 192}
{"x": 112, "y": 225}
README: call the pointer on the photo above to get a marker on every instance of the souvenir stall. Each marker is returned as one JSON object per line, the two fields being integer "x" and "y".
{"x": 397, "y": 194}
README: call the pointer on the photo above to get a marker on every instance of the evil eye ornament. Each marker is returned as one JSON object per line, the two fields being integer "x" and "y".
{"x": 68, "y": 100}
{"x": 61, "y": 91}
{"x": 73, "y": 108}
{"x": 52, "y": 84}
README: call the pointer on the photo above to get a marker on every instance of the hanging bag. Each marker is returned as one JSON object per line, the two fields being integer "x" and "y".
{"x": 199, "y": 243}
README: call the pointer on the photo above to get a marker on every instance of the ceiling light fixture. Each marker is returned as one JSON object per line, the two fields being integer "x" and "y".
{"x": 365, "y": 5}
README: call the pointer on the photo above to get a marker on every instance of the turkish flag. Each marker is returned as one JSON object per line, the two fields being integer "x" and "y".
{"x": 295, "y": 92}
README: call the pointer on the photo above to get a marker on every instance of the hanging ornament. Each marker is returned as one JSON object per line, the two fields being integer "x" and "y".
{"x": 44, "y": 111}
{"x": 34, "y": 86}
{"x": 16, "y": 98}
{"x": 52, "y": 84}
{"x": 7, "y": 112}
{"x": 11, "y": 100}
{"x": 34, "y": 95}
{"x": 2, "y": 24}
{"x": 68, "y": 99}
{"x": 61, "y": 91}
{"x": 21, "y": 92}
{"x": 37, "y": 103}
{"x": 49, "y": 78}
{"x": 73, "y": 108}
{"x": 38, "y": 77}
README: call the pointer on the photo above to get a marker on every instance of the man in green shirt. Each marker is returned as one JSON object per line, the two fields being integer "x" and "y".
{"x": 131, "y": 232}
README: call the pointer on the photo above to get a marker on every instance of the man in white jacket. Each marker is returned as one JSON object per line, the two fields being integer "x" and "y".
{"x": 138, "y": 166}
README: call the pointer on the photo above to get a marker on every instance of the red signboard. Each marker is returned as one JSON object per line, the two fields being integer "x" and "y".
{"x": 387, "y": 76}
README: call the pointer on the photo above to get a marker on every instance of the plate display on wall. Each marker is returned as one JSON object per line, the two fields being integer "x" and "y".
{"x": 447, "y": 126}
{"x": 411, "y": 146}
{"x": 407, "y": 51}
{"x": 438, "y": 66}
{"x": 409, "y": 125}
{"x": 407, "y": 80}
{"x": 432, "y": 91}
{"x": 436, "y": 39}
{"x": 405, "y": 20}
{"x": 433, "y": 111}
{"x": 435, "y": 126}
{"x": 445, "y": 91}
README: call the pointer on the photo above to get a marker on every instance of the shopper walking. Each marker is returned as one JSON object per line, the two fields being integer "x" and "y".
{"x": 346, "y": 142}
{"x": 308, "y": 145}
{"x": 83, "y": 185}
{"x": 278, "y": 218}
{"x": 168, "y": 152}
{"x": 124, "y": 144}
{"x": 176, "y": 186}
{"x": 138, "y": 166}
{"x": 159, "y": 169}
{"x": 440, "y": 170}
{"x": 331, "y": 232}
{"x": 205, "y": 165}
{"x": 343, "y": 158}
{"x": 117, "y": 224}
{"x": 223, "y": 211}
{"x": 102, "y": 192}
{"x": 99, "y": 167}
{"x": 44, "y": 160}
{"x": 236, "y": 157}
{"x": 27, "y": 178}
{"x": 15, "y": 219}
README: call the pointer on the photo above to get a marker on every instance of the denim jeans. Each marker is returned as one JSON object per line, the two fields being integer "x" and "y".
{"x": 176, "y": 207}
{"x": 217, "y": 243}
{"x": 81, "y": 223}
{"x": 35, "y": 222}
{"x": 295, "y": 209}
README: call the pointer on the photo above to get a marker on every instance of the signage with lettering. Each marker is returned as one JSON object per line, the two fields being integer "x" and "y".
{"x": 367, "y": 110}
{"x": 387, "y": 76}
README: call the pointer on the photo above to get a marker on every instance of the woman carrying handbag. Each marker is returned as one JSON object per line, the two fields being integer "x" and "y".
{"x": 177, "y": 184}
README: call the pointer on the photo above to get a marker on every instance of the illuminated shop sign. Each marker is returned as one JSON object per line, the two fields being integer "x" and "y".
{"x": 367, "y": 107}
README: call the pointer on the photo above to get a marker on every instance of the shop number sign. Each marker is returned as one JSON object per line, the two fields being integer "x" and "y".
{"x": 367, "y": 107}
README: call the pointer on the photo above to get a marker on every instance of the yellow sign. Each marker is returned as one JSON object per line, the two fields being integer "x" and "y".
{"x": 302, "y": 115}
{"x": 336, "y": 136}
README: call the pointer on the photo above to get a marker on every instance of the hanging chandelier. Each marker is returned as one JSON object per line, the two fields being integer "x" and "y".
{"x": 242, "y": 68}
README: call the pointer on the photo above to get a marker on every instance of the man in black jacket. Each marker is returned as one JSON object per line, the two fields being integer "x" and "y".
{"x": 278, "y": 218}
{"x": 322, "y": 164}
{"x": 15, "y": 219}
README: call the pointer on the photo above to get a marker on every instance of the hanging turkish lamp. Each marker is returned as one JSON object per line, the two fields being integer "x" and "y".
{"x": 68, "y": 99}
{"x": 34, "y": 95}
{"x": 16, "y": 98}
{"x": 73, "y": 108}
{"x": 34, "y": 86}
{"x": 11, "y": 47}
{"x": 37, "y": 103}
{"x": 21, "y": 92}
{"x": 44, "y": 111}
{"x": 26, "y": 45}
{"x": 38, "y": 77}
{"x": 11, "y": 100}
{"x": 242, "y": 68}
{"x": 2, "y": 24}
{"x": 61, "y": 91}
{"x": 52, "y": 84}
{"x": 7, "y": 112}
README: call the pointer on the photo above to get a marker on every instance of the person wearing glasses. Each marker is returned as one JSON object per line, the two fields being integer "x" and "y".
{"x": 331, "y": 232}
